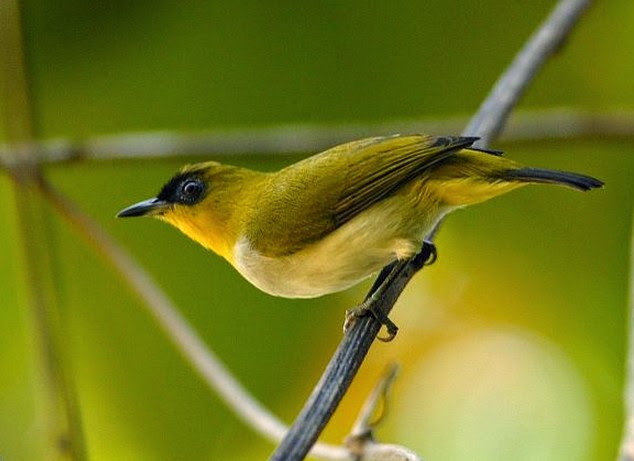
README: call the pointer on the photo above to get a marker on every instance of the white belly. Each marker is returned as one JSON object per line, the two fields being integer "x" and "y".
{"x": 350, "y": 254}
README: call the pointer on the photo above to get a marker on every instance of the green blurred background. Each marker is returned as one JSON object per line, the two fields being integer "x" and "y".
{"x": 511, "y": 345}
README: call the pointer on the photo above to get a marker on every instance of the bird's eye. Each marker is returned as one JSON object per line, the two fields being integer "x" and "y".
{"x": 191, "y": 190}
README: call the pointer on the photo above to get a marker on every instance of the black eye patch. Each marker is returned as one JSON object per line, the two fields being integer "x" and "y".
{"x": 183, "y": 188}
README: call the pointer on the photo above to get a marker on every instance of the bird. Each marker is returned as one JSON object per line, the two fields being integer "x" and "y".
{"x": 327, "y": 222}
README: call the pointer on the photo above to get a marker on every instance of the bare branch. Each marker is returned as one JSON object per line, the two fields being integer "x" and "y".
{"x": 356, "y": 342}
{"x": 361, "y": 439}
{"x": 364, "y": 424}
{"x": 559, "y": 123}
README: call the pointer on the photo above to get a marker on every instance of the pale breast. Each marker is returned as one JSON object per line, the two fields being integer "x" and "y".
{"x": 348, "y": 255}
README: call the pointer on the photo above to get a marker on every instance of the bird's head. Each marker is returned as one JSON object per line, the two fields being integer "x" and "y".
{"x": 200, "y": 200}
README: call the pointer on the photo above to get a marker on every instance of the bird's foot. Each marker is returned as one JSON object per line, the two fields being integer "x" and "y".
{"x": 368, "y": 307}
{"x": 425, "y": 257}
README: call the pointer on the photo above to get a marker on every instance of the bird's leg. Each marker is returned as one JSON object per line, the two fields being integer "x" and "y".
{"x": 426, "y": 256}
{"x": 368, "y": 306}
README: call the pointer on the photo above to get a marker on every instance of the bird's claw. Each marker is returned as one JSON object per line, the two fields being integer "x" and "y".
{"x": 368, "y": 308}
{"x": 430, "y": 253}
{"x": 425, "y": 257}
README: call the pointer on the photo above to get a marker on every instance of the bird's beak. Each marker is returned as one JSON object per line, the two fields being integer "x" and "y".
{"x": 145, "y": 208}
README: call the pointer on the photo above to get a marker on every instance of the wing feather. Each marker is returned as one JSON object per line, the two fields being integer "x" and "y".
{"x": 396, "y": 161}
{"x": 325, "y": 191}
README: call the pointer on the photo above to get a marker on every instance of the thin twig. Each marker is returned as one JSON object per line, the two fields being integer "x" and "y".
{"x": 367, "y": 419}
{"x": 183, "y": 336}
{"x": 361, "y": 441}
{"x": 356, "y": 342}
{"x": 549, "y": 124}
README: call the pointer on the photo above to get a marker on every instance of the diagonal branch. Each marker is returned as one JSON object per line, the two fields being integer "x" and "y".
{"x": 356, "y": 342}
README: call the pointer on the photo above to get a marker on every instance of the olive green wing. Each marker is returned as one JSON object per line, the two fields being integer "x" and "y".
{"x": 386, "y": 165}
{"x": 310, "y": 199}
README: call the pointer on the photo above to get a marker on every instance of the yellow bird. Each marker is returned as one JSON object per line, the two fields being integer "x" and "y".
{"x": 327, "y": 222}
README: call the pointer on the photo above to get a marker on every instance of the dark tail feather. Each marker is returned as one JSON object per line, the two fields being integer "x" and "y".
{"x": 564, "y": 178}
